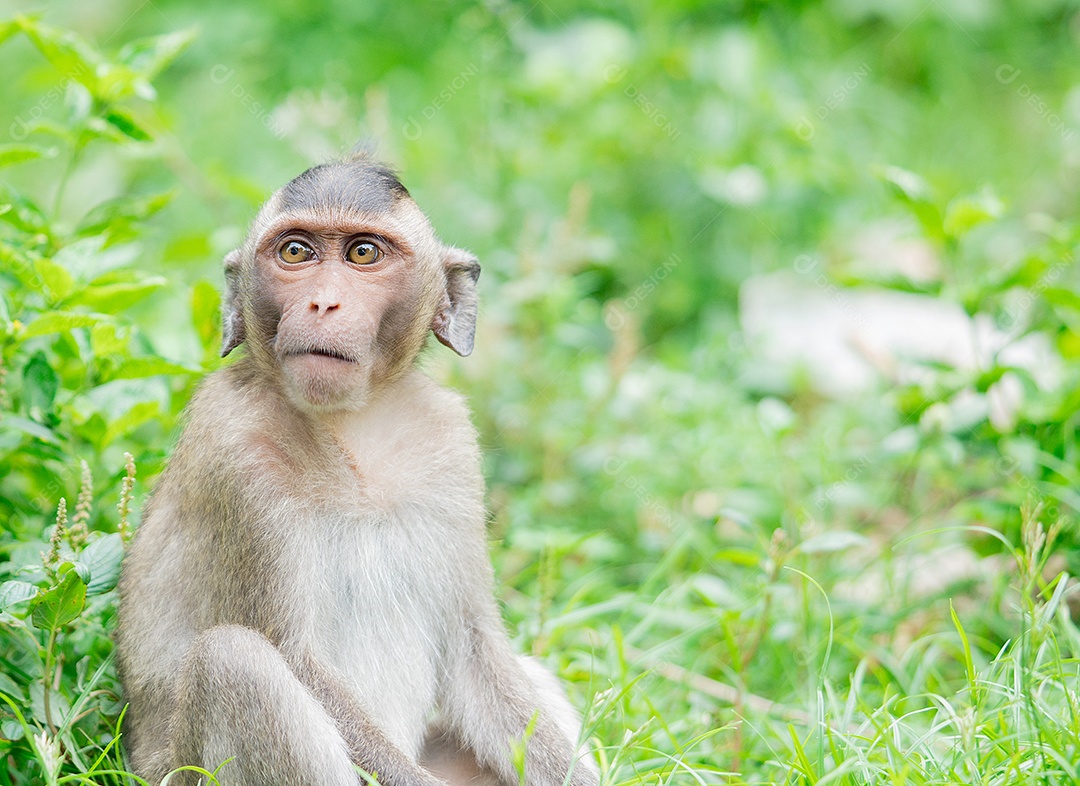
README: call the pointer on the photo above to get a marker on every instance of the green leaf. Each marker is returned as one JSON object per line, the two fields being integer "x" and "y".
{"x": 58, "y": 702}
{"x": 123, "y": 210}
{"x": 31, "y": 429}
{"x": 802, "y": 761}
{"x": 1068, "y": 344}
{"x": 148, "y": 56}
{"x": 735, "y": 556}
{"x": 70, "y": 54}
{"x": 103, "y": 557}
{"x": 58, "y": 281}
{"x": 89, "y": 260}
{"x": 986, "y": 379}
{"x": 60, "y": 322}
{"x": 79, "y": 102}
{"x": 61, "y": 604}
{"x": 140, "y": 413}
{"x": 109, "y": 339}
{"x": 138, "y": 368}
{"x": 93, "y": 430}
{"x": 8, "y": 686}
{"x": 7, "y": 30}
{"x": 16, "y": 154}
{"x": 44, "y": 125}
{"x": 81, "y": 569}
{"x": 13, "y": 592}
{"x": 969, "y": 664}
{"x": 23, "y": 213}
{"x": 965, "y": 213}
{"x": 115, "y": 298}
{"x": 117, "y": 82}
{"x": 126, "y": 125}
{"x": 18, "y": 263}
{"x": 913, "y": 191}
{"x": 1062, "y": 298}
{"x": 40, "y": 383}
{"x": 206, "y": 314}
{"x": 909, "y": 186}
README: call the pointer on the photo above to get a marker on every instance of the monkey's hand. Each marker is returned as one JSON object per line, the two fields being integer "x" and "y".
{"x": 376, "y": 778}
{"x": 376, "y": 758}
{"x": 497, "y": 696}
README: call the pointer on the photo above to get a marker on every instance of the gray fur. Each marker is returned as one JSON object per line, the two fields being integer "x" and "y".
{"x": 359, "y": 184}
{"x": 310, "y": 589}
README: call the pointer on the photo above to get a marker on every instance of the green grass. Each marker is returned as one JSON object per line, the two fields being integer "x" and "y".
{"x": 740, "y": 578}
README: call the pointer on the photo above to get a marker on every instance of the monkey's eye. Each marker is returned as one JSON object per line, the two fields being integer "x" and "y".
{"x": 295, "y": 252}
{"x": 364, "y": 253}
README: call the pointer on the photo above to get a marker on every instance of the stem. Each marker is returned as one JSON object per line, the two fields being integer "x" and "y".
{"x": 62, "y": 184}
{"x": 759, "y": 634}
{"x": 47, "y": 682}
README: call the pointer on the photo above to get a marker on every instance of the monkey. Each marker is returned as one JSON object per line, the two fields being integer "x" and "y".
{"x": 309, "y": 598}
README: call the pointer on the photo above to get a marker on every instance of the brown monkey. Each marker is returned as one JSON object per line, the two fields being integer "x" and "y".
{"x": 310, "y": 587}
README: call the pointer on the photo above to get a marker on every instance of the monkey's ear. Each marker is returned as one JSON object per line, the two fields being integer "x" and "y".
{"x": 454, "y": 323}
{"x": 232, "y": 314}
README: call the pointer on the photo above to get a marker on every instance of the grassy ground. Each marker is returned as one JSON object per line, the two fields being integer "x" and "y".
{"x": 745, "y": 571}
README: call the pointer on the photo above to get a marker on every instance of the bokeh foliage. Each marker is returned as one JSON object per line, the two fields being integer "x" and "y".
{"x": 684, "y": 530}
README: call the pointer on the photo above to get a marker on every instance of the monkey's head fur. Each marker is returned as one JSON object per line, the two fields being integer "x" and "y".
{"x": 338, "y": 283}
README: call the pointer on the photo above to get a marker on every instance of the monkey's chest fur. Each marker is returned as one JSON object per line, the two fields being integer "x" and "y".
{"x": 383, "y": 562}
{"x": 363, "y": 565}
{"x": 379, "y": 619}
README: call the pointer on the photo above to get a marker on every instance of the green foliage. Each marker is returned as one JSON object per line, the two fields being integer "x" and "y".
{"x": 80, "y": 384}
{"x": 745, "y": 579}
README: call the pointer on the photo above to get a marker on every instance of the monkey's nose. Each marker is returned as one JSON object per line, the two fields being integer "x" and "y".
{"x": 324, "y": 305}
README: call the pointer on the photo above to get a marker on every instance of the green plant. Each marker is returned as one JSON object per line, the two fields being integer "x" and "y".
{"x": 745, "y": 580}
{"x": 77, "y": 380}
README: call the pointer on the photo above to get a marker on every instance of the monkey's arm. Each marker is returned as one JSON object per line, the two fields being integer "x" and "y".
{"x": 368, "y": 746}
{"x": 494, "y": 695}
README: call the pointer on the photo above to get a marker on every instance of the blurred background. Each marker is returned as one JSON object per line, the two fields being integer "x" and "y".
{"x": 766, "y": 286}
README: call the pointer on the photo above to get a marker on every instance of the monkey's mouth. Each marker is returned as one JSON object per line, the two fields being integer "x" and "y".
{"x": 324, "y": 352}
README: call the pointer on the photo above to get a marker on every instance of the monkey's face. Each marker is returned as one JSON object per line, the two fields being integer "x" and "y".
{"x": 339, "y": 283}
{"x": 344, "y": 305}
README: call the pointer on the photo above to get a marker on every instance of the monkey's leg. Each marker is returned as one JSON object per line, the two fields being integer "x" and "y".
{"x": 238, "y": 699}
{"x": 448, "y": 758}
